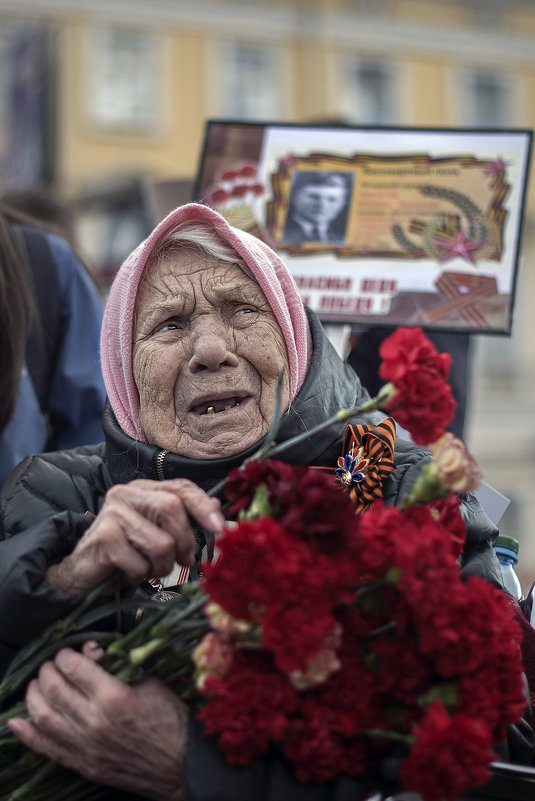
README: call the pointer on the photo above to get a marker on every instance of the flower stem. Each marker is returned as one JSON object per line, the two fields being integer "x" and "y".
{"x": 392, "y": 736}
{"x": 271, "y": 449}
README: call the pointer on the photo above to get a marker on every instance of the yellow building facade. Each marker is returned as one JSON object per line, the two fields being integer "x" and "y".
{"x": 180, "y": 64}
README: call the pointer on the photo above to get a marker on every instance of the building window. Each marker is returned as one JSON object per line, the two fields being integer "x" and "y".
{"x": 368, "y": 92}
{"x": 487, "y": 100}
{"x": 250, "y": 82}
{"x": 123, "y": 81}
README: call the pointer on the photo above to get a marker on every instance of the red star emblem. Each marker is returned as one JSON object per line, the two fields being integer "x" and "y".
{"x": 460, "y": 246}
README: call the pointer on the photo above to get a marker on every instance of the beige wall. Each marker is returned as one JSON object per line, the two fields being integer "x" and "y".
{"x": 173, "y": 149}
{"x": 427, "y": 86}
{"x": 186, "y": 84}
{"x": 311, "y": 97}
{"x": 450, "y": 14}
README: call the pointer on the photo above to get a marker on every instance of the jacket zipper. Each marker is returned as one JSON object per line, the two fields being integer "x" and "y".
{"x": 160, "y": 475}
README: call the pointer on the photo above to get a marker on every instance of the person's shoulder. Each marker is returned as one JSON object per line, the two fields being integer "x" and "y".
{"x": 50, "y": 258}
{"x": 54, "y": 481}
{"x": 407, "y": 452}
{"x": 65, "y": 258}
{"x": 45, "y": 239}
{"x": 79, "y": 462}
{"x": 74, "y": 277}
{"x": 408, "y": 462}
{"x": 27, "y": 230}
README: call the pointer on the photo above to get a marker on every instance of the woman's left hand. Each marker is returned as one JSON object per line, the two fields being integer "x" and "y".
{"x": 130, "y": 737}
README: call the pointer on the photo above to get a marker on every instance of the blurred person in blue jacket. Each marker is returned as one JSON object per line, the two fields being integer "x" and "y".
{"x": 51, "y": 312}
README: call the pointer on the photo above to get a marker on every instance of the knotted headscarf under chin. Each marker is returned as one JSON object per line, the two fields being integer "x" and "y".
{"x": 116, "y": 344}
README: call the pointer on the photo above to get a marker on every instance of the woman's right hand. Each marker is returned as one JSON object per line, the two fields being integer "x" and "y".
{"x": 143, "y": 528}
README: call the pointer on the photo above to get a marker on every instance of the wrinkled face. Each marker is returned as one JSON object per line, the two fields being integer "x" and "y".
{"x": 320, "y": 203}
{"x": 207, "y": 356}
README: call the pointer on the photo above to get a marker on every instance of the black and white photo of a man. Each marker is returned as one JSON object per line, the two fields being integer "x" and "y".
{"x": 318, "y": 207}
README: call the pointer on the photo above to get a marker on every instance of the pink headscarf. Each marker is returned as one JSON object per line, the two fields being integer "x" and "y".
{"x": 117, "y": 329}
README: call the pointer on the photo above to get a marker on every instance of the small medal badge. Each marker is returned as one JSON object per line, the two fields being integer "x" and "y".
{"x": 352, "y": 468}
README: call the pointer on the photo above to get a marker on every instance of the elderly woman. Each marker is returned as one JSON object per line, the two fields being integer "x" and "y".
{"x": 201, "y": 321}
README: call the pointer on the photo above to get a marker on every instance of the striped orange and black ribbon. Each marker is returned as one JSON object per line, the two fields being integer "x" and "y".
{"x": 369, "y": 453}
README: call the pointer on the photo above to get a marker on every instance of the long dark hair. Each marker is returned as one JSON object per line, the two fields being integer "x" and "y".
{"x": 45, "y": 209}
{"x": 16, "y": 307}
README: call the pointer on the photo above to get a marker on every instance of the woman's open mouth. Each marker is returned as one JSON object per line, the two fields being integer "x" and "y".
{"x": 217, "y": 405}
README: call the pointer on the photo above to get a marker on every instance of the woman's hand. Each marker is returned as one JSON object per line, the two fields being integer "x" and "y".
{"x": 143, "y": 528}
{"x": 131, "y": 737}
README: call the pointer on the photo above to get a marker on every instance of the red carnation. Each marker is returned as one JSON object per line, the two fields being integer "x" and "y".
{"x": 428, "y": 571}
{"x": 445, "y": 514}
{"x": 295, "y": 633}
{"x": 317, "y": 747}
{"x": 450, "y": 756}
{"x": 249, "y": 710}
{"x": 412, "y": 675}
{"x": 264, "y": 571}
{"x": 354, "y": 690}
{"x": 307, "y": 503}
{"x": 280, "y": 479}
{"x": 375, "y": 538}
{"x": 323, "y": 516}
{"x": 467, "y": 632}
{"x": 494, "y": 695}
{"x": 423, "y": 401}
{"x": 258, "y": 560}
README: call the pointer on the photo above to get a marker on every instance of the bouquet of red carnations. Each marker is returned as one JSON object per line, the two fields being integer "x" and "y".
{"x": 339, "y": 636}
{"x": 331, "y": 626}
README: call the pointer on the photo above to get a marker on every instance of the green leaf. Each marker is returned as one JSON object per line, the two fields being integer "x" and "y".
{"x": 446, "y": 692}
{"x": 260, "y": 505}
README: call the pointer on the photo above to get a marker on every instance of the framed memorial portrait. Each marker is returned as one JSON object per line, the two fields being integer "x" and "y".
{"x": 380, "y": 225}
